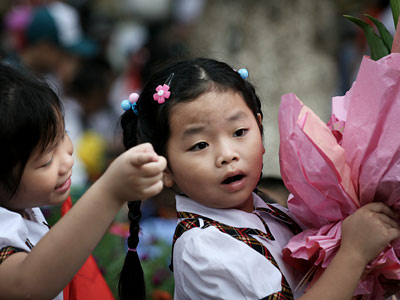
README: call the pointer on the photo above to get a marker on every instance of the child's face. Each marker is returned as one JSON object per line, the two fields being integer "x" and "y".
{"x": 46, "y": 179}
{"x": 215, "y": 150}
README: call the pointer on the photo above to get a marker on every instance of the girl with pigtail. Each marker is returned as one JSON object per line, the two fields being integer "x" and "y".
{"x": 206, "y": 120}
{"x": 35, "y": 170}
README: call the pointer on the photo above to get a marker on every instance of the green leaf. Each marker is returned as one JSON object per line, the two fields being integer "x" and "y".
{"x": 384, "y": 33}
{"x": 395, "y": 5}
{"x": 375, "y": 43}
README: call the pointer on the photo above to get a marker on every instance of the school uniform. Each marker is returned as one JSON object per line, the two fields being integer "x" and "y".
{"x": 208, "y": 263}
{"x": 21, "y": 234}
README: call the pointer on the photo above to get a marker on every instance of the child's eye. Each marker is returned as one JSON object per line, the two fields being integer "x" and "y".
{"x": 240, "y": 132}
{"x": 48, "y": 163}
{"x": 199, "y": 146}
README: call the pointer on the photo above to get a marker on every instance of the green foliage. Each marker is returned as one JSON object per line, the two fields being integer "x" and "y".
{"x": 383, "y": 32}
{"x": 158, "y": 277}
{"x": 380, "y": 44}
{"x": 376, "y": 44}
{"x": 110, "y": 255}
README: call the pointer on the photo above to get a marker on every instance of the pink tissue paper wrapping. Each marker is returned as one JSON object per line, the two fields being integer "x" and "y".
{"x": 332, "y": 169}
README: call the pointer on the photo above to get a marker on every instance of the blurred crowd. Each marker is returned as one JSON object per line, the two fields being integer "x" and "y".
{"x": 94, "y": 54}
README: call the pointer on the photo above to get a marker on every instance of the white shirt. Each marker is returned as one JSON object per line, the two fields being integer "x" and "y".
{"x": 18, "y": 232}
{"x": 209, "y": 264}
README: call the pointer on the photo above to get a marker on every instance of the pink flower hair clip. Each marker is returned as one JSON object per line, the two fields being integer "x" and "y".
{"x": 162, "y": 91}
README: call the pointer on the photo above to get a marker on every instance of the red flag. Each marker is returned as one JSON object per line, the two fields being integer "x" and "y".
{"x": 88, "y": 283}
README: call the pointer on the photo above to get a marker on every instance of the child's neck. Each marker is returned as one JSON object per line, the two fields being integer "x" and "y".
{"x": 248, "y": 205}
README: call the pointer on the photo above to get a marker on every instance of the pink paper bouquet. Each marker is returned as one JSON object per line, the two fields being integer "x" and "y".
{"x": 332, "y": 169}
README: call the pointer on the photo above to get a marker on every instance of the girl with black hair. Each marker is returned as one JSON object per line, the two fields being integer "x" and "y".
{"x": 206, "y": 119}
{"x": 36, "y": 162}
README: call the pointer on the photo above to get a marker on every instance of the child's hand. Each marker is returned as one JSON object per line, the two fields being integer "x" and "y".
{"x": 136, "y": 174}
{"x": 369, "y": 230}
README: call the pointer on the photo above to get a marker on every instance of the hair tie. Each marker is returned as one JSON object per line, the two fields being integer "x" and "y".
{"x": 131, "y": 103}
{"x": 243, "y": 73}
{"x": 132, "y": 249}
{"x": 162, "y": 91}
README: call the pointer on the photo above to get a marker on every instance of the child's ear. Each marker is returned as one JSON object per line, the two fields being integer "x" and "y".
{"x": 259, "y": 122}
{"x": 167, "y": 178}
{"x": 259, "y": 119}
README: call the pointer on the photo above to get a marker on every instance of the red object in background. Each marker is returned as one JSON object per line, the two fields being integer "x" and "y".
{"x": 88, "y": 283}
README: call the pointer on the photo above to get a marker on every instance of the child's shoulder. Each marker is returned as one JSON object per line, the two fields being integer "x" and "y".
{"x": 19, "y": 232}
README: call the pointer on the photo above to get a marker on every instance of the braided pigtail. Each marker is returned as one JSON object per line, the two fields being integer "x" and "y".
{"x": 131, "y": 280}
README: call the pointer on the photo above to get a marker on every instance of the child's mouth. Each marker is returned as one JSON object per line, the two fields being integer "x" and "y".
{"x": 63, "y": 187}
{"x": 232, "y": 179}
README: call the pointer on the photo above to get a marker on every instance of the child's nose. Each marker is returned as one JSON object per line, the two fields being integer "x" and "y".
{"x": 226, "y": 155}
{"x": 67, "y": 161}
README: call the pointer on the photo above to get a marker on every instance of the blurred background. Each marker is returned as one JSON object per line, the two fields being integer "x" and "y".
{"x": 94, "y": 53}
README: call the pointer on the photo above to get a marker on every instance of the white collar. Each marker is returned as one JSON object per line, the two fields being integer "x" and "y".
{"x": 229, "y": 216}
{"x": 15, "y": 230}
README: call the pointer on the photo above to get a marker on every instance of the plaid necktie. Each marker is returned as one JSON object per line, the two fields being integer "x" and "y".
{"x": 282, "y": 217}
{"x": 191, "y": 220}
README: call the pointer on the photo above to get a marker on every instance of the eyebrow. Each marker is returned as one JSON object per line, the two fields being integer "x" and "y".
{"x": 195, "y": 129}
{"x": 237, "y": 116}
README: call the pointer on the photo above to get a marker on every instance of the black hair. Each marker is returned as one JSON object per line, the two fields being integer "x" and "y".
{"x": 189, "y": 80}
{"x": 31, "y": 117}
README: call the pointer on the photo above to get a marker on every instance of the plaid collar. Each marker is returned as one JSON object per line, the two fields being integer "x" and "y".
{"x": 232, "y": 217}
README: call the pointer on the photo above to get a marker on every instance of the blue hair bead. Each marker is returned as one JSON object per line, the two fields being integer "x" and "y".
{"x": 126, "y": 105}
{"x": 243, "y": 73}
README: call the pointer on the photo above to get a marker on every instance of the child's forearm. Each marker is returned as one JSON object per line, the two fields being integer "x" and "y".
{"x": 339, "y": 280}
{"x": 52, "y": 263}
